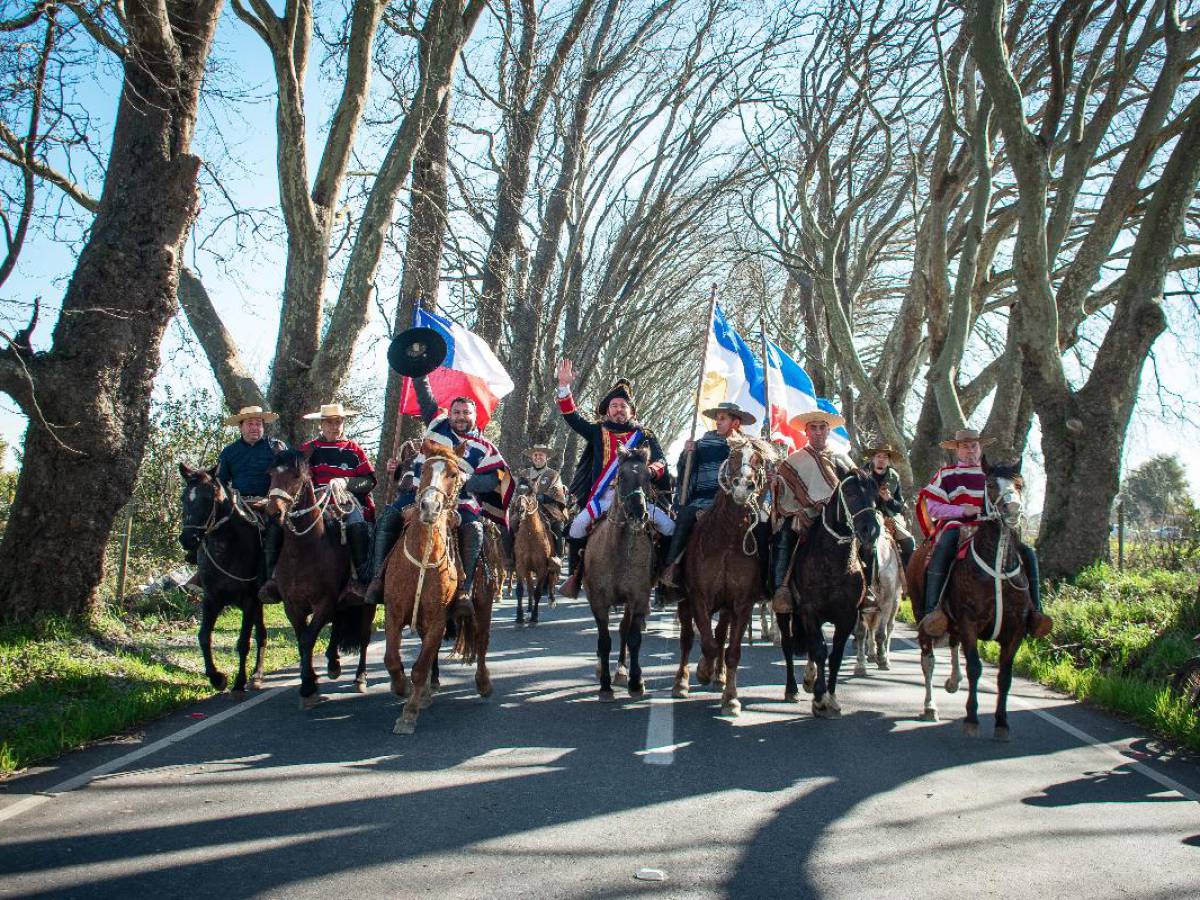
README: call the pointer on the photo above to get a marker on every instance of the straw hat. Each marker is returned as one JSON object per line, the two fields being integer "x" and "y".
{"x": 251, "y": 412}
{"x": 332, "y": 411}
{"x": 963, "y": 436}
{"x": 817, "y": 415}
{"x": 537, "y": 448}
{"x": 734, "y": 410}
{"x": 893, "y": 454}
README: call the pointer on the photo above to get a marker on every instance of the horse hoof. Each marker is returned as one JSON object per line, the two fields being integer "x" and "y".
{"x": 791, "y": 695}
{"x": 1001, "y": 734}
{"x": 679, "y": 692}
{"x": 971, "y": 729}
{"x": 637, "y": 691}
{"x": 219, "y": 681}
{"x": 606, "y": 696}
{"x": 520, "y": 620}
{"x": 360, "y": 685}
{"x": 485, "y": 691}
{"x": 823, "y": 711}
{"x": 929, "y": 715}
{"x": 310, "y": 701}
{"x": 256, "y": 684}
{"x": 333, "y": 670}
{"x": 238, "y": 695}
{"x": 951, "y": 686}
{"x": 732, "y": 707}
{"x": 426, "y": 699}
{"x": 403, "y": 726}
{"x": 621, "y": 678}
{"x": 860, "y": 670}
{"x": 884, "y": 665}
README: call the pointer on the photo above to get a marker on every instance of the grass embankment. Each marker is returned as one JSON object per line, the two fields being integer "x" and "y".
{"x": 1118, "y": 639}
{"x": 64, "y": 685}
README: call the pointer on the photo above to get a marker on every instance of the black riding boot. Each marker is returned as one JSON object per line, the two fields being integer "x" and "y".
{"x": 556, "y": 541}
{"x": 471, "y": 540}
{"x": 1039, "y": 623}
{"x": 868, "y": 564}
{"x": 673, "y": 576}
{"x": 935, "y": 621}
{"x": 762, "y": 539}
{"x": 781, "y": 557}
{"x": 908, "y": 547}
{"x": 387, "y": 530}
{"x": 272, "y": 545}
{"x": 358, "y": 540}
{"x": 571, "y": 586}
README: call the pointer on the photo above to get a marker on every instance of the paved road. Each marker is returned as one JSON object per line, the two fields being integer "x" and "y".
{"x": 546, "y": 793}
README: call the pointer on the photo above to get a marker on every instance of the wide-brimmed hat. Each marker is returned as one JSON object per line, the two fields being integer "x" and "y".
{"x": 733, "y": 409}
{"x": 621, "y": 388}
{"x": 251, "y": 412}
{"x": 817, "y": 415}
{"x": 962, "y": 436}
{"x": 874, "y": 447}
{"x": 537, "y": 448}
{"x": 332, "y": 411}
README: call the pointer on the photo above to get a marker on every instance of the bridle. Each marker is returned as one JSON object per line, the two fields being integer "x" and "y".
{"x": 753, "y": 479}
{"x": 212, "y": 524}
{"x": 994, "y": 511}
{"x": 839, "y": 493}
{"x": 446, "y": 502}
{"x": 620, "y": 515}
{"x": 323, "y": 498}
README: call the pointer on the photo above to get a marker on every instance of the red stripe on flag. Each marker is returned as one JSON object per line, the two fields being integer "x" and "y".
{"x": 447, "y": 384}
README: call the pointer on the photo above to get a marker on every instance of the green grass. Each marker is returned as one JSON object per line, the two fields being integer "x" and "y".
{"x": 63, "y": 685}
{"x": 1118, "y": 639}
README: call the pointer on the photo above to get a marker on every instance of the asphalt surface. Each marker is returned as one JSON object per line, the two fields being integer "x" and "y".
{"x": 545, "y": 792}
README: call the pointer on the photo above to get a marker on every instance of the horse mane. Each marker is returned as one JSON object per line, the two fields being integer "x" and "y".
{"x": 768, "y": 451}
{"x": 291, "y": 459}
{"x": 433, "y": 448}
{"x": 1002, "y": 470}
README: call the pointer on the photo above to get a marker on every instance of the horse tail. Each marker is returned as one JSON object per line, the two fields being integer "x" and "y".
{"x": 347, "y": 625}
{"x": 464, "y": 641}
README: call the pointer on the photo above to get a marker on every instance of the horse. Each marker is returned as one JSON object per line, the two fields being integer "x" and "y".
{"x": 420, "y": 578}
{"x": 723, "y": 571}
{"x": 229, "y": 554}
{"x": 533, "y": 548}
{"x": 986, "y": 598}
{"x": 620, "y": 568}
{"x": 497, "y": 549}
{"x": 311, "y": 574}
{"x": 873, "y": 633}
{"x": 827, "y": 585}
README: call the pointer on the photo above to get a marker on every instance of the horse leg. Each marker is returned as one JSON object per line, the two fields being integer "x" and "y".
{"x": 706, "y": 668}
{"x": 929, "y": 713}
{"x": 841, "y": 634}
{"x": 817, "y": 655}
{"x": 721, "y": 636}
{"x": 260, "y": 640}
{"x": 955, "y": 678}
{"x": 483, "y": 637}
{"x": 974, "y": 670}
{"x": 686, "y": 635}
{"x": 1003, "y": 683}
{"x": 243, "y": 651}
{"x": 861, "y": 631}
{"x": 783, "y": 624}
{"x": 310, "y": 692}
{"x": 393, "y": 628}
{"x": 535, "y": 598}
{"x": 208, "y": 618}
{"x": 621, "y": 677}
{"x": 520, "y": 592}
{"x": 333, "y": 662}
{"x": 603, "y": 651}
{"x": 730, "y": 704}
{"x": 434, "y": 684}
{"x": 883, "y": 640}
{"x": 368, "y": 624}
{"x": 634, "y": 631}
{"x": 431, "y": 642}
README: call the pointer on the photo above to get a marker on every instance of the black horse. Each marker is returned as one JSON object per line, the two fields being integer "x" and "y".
{"x": 229, "y": 552}
{"x": 827, "y": 582}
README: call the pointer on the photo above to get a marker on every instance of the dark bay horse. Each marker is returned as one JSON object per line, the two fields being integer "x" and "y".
{"x": 828, "y": 585}
{"x": 533, "y": 548}
{"x": 723, "y": 571}
{"x": 986, "y": 598}
{"x": 229, "y": 554}
{"x": 420, "y": 578}
{"x": 620, "y": 568}
{"x": 312, "y": 571}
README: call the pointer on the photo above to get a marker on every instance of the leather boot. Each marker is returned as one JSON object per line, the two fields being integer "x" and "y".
{"x": 571, "y": 586}
{"x": 868, "y": 563}
{"x": 781, "y": 592}
{"x": 272, "y": 545}
{"x": 387, "y": 531}
{"x": 471, "y": 538}
{"x": 1038, "y": 623}
{"x": 358, "y": 539}
{"x": 936, "y": 621}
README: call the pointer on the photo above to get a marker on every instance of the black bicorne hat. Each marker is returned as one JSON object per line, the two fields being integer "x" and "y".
{"x": 621, "y": 388}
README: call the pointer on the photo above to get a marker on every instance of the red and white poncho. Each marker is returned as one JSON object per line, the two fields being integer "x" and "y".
{"x": 943, "y": 502}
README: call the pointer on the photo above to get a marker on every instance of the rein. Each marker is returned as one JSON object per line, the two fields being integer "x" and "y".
{"x": 440, "y": 525}
{"x": 996, "y": 571}
{"x": 843, "y": 539}
{"x": 323, "y": 497}
{"x": 211, "y": 525}
{"x": 758, "y": 481}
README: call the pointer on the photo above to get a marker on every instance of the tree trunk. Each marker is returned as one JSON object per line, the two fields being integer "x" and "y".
{"x": 94, "y": 383}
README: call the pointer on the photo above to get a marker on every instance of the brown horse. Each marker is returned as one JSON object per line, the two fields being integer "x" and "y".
{"x": 620, "y": 568}
{"x": 723, "y": 570}
{"x": 311, "y": 574}
{"x": 533, "y": 548}
{"x": 986, "y": 598}
{"x": 828, "y": 585}
{"x": 421, "y": 576}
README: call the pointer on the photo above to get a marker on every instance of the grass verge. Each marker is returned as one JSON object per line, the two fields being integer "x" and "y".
{"x": 64, "y": 685}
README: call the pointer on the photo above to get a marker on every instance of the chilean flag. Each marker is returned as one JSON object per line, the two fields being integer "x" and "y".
{"x": 791, "y": 393}
{"x": 732, "y": 372}
{"x": 470, "y": 369}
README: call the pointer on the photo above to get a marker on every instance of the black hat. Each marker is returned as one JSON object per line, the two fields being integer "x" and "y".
{"x": 621, "y": 388}
{"x": 417, "y": 351}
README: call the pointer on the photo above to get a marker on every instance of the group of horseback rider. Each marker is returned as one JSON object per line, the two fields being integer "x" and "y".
{"x": 804, "y": 483}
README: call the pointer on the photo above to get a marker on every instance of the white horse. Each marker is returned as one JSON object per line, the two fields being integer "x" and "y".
{"x": 873, "y": 634}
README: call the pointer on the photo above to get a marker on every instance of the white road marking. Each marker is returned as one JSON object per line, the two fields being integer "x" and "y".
{"x": 1108, "y": 749}
{"x": 660, "y": 733}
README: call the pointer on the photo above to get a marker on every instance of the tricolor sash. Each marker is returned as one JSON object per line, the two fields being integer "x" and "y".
{"x": 604, "y": 482}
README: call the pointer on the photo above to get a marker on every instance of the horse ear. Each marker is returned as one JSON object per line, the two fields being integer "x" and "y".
{"x": 622, "y": 451}
{"x": 211, "y": 472}
{"x": 461, "y": 449}
{"x": 186, "y": 471}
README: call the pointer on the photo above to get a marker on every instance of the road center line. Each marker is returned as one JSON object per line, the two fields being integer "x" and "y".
{"x": 660, "y": 733}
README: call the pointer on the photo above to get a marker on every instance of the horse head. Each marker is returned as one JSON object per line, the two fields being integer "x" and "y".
{"x": 289, "y": 474}
{"x": 859, "y": 491}
{"x": 633, "y": 478}
{"x": 441, "y": 480}
{"x": 202, "y": 497}
{"x": 1006, "y": 491}
{"x": 745, "y": 473}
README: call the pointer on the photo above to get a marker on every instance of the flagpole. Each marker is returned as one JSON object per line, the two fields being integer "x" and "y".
{"x": 708, "y": 328}
{"x": 762, "y": 334}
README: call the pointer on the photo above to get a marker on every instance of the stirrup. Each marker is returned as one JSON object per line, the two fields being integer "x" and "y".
{"x": 936, "y": 622}
{"x": 1039, "y": 624}
{"x": 570, "y": 587}
{"x": 462, "y": 608}
{"x": 781, "y": 601}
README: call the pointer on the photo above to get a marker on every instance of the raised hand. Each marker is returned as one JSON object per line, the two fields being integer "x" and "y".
{"x": 565, "y": 372}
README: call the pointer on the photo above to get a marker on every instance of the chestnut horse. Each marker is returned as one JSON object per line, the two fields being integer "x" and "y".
{"x": 229, "y": 556}
{"x": 620, "y": 568}
{"x": 827, "y": 586}
{"x": 533, "y": 549}
{"x": 312, "y": 571}
{"x": 723, "y": 570}
{"x": 420, "y": 578}
{"x": 986, "y": 598}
